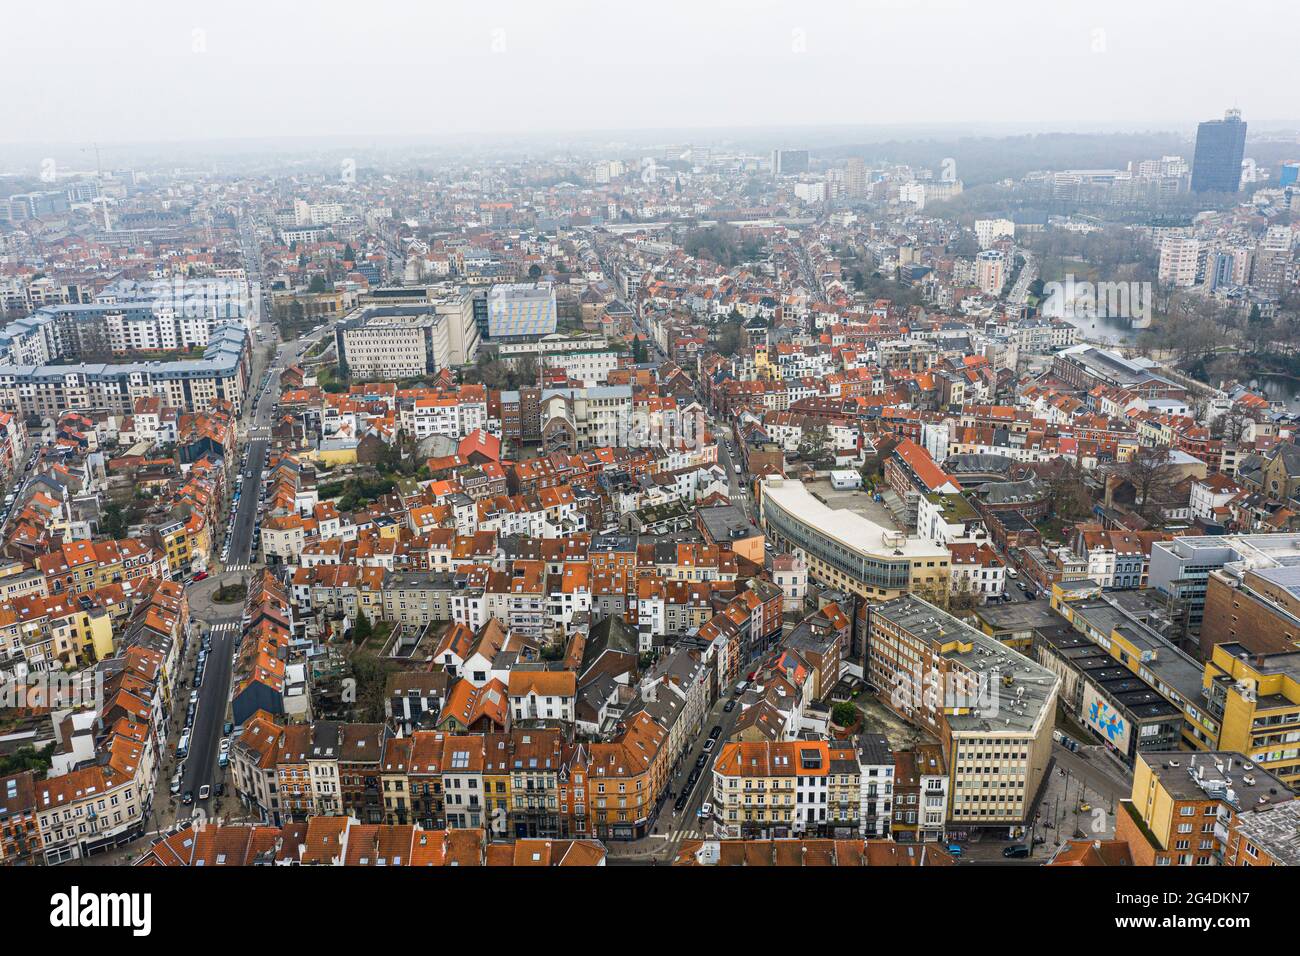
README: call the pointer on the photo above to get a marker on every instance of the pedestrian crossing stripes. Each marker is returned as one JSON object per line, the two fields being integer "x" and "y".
{"x": 685, "y": 834}
{"x": 237, "y": 567}
{"x": 224, "y": 626}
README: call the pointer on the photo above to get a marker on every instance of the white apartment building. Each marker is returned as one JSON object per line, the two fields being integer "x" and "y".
{"x": 1182, "y": 261}
{"x": 393, "y": 342}
{"x": 988, "y": 231}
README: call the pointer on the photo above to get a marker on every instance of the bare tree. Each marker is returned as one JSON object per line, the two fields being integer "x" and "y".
{"x": 1067, "y": 495}
{"x": 1231, "y": 425}
{"x": 1151, "y": 473}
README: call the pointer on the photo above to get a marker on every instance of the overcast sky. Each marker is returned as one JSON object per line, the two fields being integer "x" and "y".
{"x": 145, "y": 71}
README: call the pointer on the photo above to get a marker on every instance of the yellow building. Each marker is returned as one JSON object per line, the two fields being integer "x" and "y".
{"x": 90, "y": 629}
{"x": 333, "y": 457}
{"x": 1257, "y": 698}
{"x": 1182, "y": 807}
{"x": 177, "y": 546}
{"x": 1163, "y": 667}
{"x": 754, "y": 786}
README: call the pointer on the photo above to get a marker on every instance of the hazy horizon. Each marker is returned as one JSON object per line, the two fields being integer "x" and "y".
{"x": 244, "y": 73}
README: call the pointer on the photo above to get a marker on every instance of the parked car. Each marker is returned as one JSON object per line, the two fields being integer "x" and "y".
{"x": 705, "y": 811}
{"x": 955, "y": 849}
{"x": 188, "y": 798}
{"x": 1016, "y": 851}
{"x": 200, "y": 576}
{"x": 204, "y": 792}
{"x": 710, "y": 744}
{"x": 729, "y": 706}
{"x": 716, "y": 732}
{"x": 176, "y": 783}
{"x": 701, "y": 760}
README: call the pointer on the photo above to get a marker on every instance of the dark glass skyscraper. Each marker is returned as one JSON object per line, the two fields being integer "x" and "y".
{"x": 1220, "y": 145}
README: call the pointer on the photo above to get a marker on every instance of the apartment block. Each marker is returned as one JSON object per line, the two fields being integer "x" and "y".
{"x": 992, "y": 708}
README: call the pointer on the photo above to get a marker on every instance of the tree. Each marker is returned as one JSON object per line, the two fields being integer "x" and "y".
{"x": 1067, "y": 495}
{"x": 114, "y": 523}
{"x": 844, "y": 714}
{"x": 349, "y": 254}
{"x": 1153, "y": 477}
{"x": 962, "y": 598}
{"x": 362, "y": 629}
{"x": 534, "y": 272}
{"x": 318, "y": 284}
{"x": 814, "y": 443}
{"x": 638, "y": 350}
{"x": 729, "y": 337}
{"x": 28, "y": 758}
{"x": 1232, "y": 424}
{"x": 371, "y": 675}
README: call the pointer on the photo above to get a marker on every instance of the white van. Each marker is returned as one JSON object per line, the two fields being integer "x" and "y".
{"x": 183, "y": 746}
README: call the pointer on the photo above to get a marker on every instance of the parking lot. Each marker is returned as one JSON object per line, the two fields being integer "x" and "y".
{"x": 852, "y": 499}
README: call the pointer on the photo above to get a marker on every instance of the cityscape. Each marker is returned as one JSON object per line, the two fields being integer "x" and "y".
{"x": 760, "y": 493}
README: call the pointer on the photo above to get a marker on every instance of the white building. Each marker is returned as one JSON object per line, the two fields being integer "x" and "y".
{"x": 790, "y": 574}
{"x": 876, "y": 779}
{"x": 393, "y": 342}
{"x": 1182, "y": 261}
{"x": 988, "y": 231}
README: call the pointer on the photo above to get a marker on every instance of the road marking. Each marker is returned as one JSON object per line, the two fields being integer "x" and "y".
{"x": 237, "y": 567}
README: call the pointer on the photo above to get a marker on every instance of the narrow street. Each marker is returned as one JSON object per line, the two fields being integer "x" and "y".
{"x": 671, "y": 827}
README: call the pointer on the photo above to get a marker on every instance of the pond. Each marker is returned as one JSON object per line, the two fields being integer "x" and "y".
{"x": 1278, "y": 388}
{"x": 1104, "y": 329}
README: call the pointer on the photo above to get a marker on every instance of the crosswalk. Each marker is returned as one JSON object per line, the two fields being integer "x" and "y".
{"x": 685, "y": 833}
{"x": 224, "y": 626}
{"x": 237, "y": 567}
